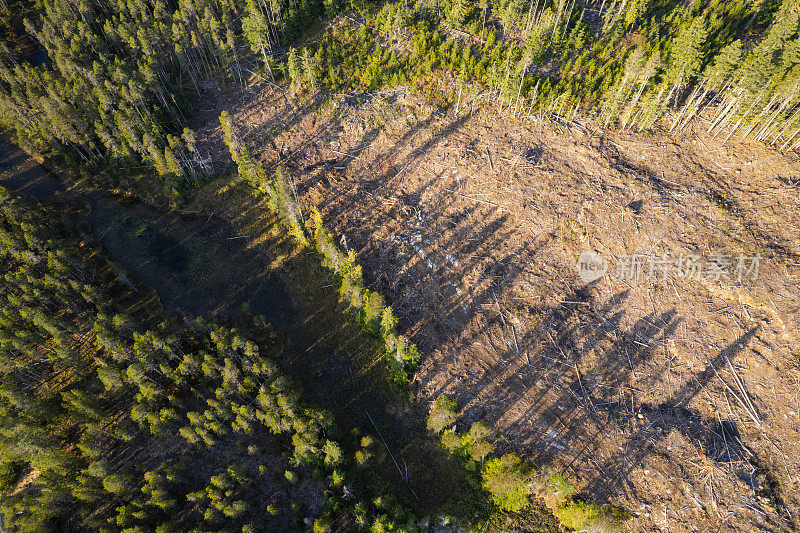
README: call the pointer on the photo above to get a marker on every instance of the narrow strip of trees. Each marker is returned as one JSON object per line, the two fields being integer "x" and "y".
{"x": 369, "y": 307}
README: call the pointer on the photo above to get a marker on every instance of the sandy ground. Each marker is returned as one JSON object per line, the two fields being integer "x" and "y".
{"x": 676, "y": 398}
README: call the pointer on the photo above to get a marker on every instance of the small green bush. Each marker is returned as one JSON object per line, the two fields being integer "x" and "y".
{"x": 578, "y": 514}
{"x": 322, "y": 525}
{"x": 584, "y": 514}
{"x": 505, "y": 479}
{"x": 443, "y": 414}
{"x": 562, "y": 489}
{"x": 337, "y": 478}
{"x": 479, "y": 449}
{"x": 451, "y": 441}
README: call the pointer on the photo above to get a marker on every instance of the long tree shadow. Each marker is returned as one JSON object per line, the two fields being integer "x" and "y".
{"x": 674, "y": 414}
{"x": 568, "y": 413}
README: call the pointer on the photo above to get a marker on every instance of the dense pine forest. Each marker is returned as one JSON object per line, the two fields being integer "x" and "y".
{"x": 116, "y": 417}
{"x": 120, "y": 80}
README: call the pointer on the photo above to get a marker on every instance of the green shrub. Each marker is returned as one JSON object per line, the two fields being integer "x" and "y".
{"x": 333, "y": 453}
{"x": 443, "y": 414}
{"x": 322, "y": 525}
{"x": 585, "y": 514}
{"x": 477, "y": 446}
{"x": 283, "y": 201}
{"x": 373, "y": 310}
{"x": 505, "y": 479}
{"x": 337, "y": 478}
{"x": 479, "y": 449}
{"x": 578, "y": 514}
{"x": 360, "y": 515}
{"x": 451, "y": 441}
{"x": 562, "y": 489}
{"x": 388, "y": 322}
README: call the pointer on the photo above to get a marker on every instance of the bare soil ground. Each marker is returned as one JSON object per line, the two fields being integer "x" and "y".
{"x": 675, "y": 398}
